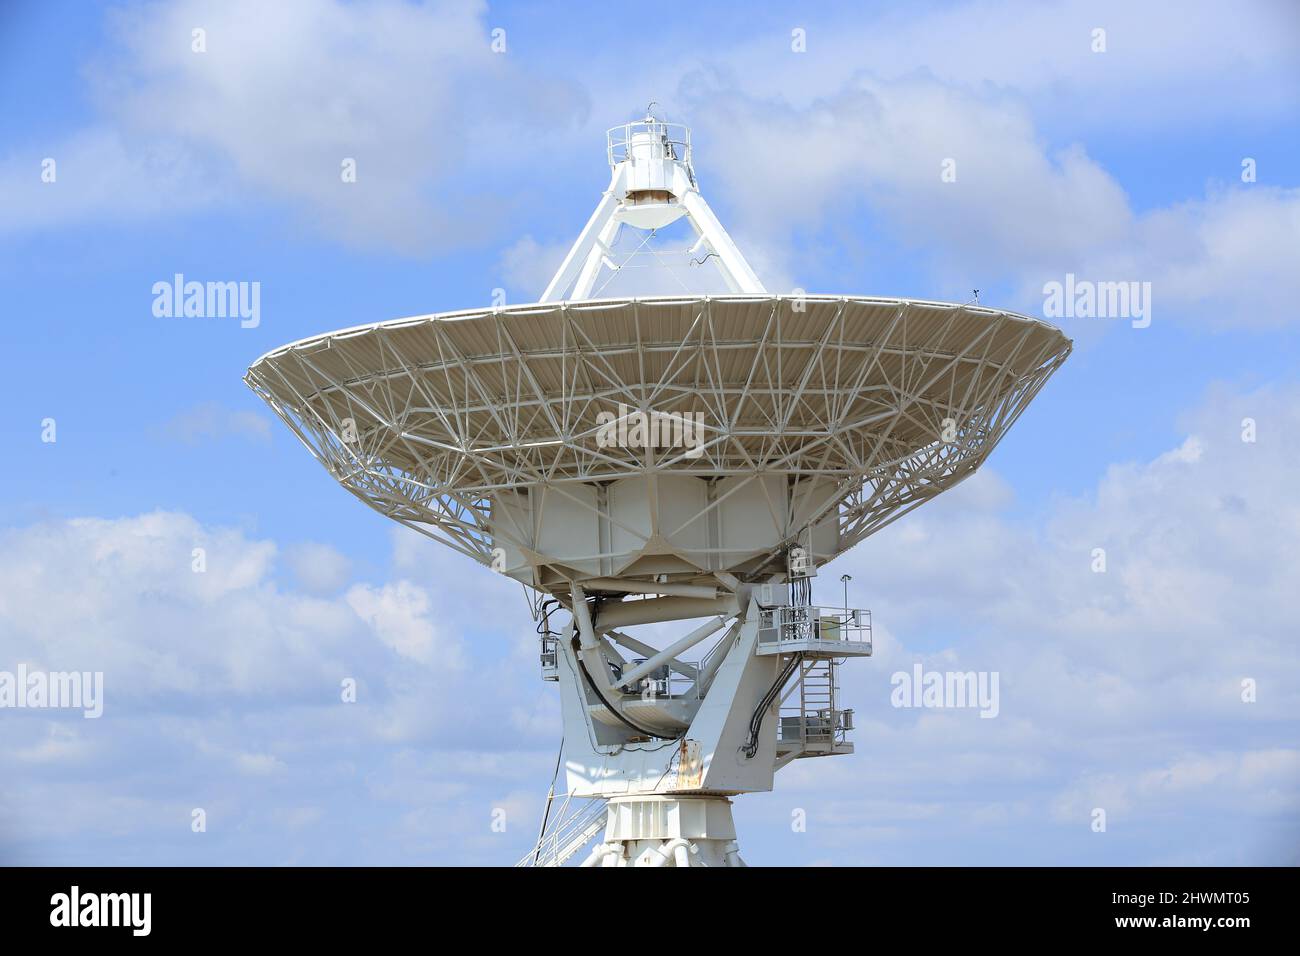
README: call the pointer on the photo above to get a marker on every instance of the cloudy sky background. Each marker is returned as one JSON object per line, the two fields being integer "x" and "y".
{"x": 475, "y": 170}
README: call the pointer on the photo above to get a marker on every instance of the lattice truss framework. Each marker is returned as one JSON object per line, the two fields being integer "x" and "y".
{"x": 430, "y": 419}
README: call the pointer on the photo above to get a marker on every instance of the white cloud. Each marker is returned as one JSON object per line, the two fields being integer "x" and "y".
{"x": 1262, "y": 780}
{"x": 1016, "y": 211}
{"x": 664, "y": 266}
{"x": 170, "y": 630}
{"x": 1120, "y": 690}
{"x": 123, "y": 597}
{"x": 100, "y": 175}
{"x": 1164, "y": 64}
{"x": 528, "y": 265}
{"x": 399, "y": 615}
{"x": 285, "y": 92}
{"x": 283, "y": 95}
{"x": 222, "y": 691}
{"x": 319, "y": 568}
{"x": 1232, "y": 258}
{"x": 258, "y": 765}
{"x": 61, "y": 743}
{"x": 210, "y": 421}
{"x": 884, "y": 144}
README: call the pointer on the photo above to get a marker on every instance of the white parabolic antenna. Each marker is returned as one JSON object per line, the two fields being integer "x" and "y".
{"x": 682, "y": 458}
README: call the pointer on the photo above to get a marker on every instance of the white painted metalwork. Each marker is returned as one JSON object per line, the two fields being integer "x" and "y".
{"x": 652, "y": 184}
{"x": 488, "y": 430}
{"x": 815, "y": 631}
{"x": 576, "y": 825}
{"x": 661, "y": 459}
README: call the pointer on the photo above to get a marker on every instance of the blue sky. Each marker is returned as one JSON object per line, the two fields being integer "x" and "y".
{"x": 475, "y": 170}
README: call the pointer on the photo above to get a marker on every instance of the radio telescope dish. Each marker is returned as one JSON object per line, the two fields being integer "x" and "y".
{"x": 648, "y": 459}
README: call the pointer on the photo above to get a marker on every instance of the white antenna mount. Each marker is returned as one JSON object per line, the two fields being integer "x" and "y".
{"x": 652, "y": 184}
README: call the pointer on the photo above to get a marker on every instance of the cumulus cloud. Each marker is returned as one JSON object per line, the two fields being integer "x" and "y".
{"x": 175, "y": 612}
{"x": 1262, "y": 780}
{"x": 1120, "y": 690}
{"x": 1229, "y": 258}
{"x": 399, "y": 615}
{"x": 838, "y": 150}
{"x": 281, "y": 97}
{"x": 224, "y": 691}
{"x": 964, "y": 181}
{"x": 1158, "y": 70}
{"x": 885, "y": 143}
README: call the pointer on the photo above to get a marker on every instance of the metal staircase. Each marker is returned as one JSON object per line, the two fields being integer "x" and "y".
{"x": 573, "y": 831}
{"x": 817, "y": 699}
{"x": 815, "y": 727}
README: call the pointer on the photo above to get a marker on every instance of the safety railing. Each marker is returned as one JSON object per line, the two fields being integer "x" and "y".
{"x": 823, "y": 726}
{"x": 572, "y": 830}
{"x": 665, "y": 682}
{"x": 648, "y": 139}
{"x": 816, "y": 624}
{"x": 722, "y": 646}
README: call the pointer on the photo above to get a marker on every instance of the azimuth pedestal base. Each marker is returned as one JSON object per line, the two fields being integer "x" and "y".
{"x": 667, "y": 830}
